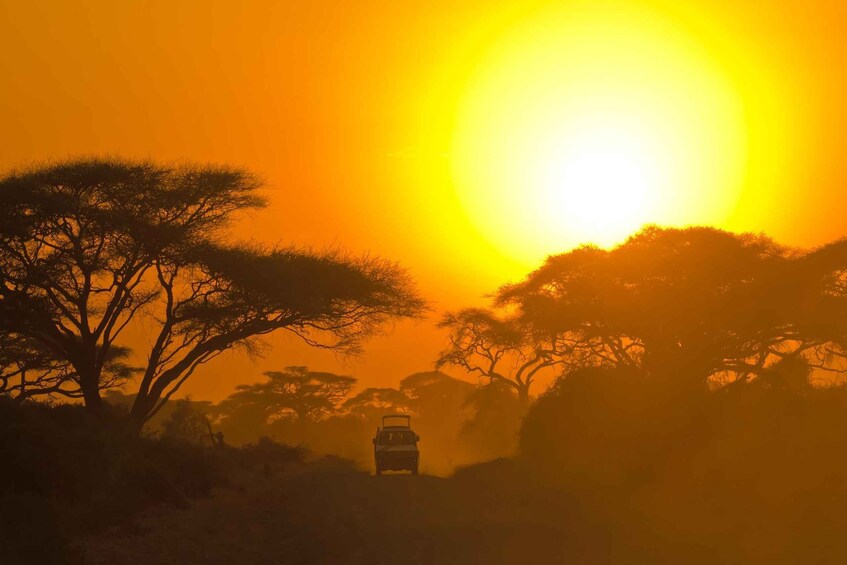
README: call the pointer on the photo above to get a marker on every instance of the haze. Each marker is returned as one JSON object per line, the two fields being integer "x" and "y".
{"x": 361, "y": 120}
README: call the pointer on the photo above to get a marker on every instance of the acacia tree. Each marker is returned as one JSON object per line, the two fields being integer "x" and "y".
{"x": 498, "y": 348}
{"x": 28, "y": 369}
{"x": 372, "y": 403}
{"x": 696, "y": 304}
{"x": 216, "y": 298}
{"x": 294, "y": 393}
{"x": 89, "y": 246}
{"x": 188, "y": 422}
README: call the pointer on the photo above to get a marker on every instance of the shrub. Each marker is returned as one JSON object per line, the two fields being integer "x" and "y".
{"x": 86, "y": 473}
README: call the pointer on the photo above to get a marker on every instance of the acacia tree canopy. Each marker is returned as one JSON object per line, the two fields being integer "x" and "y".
{"x": 372, "y": 403}
{"x": 497, "y": 347}
{"x": 693, "y": 304}
{"x": 293, "y": 393}
{"x": 88, "y": 246}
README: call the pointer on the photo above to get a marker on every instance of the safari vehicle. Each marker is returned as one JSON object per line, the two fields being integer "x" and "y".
{"x": 396, "y": 445}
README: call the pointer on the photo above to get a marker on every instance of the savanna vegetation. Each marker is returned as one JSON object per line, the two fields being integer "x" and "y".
{"x": 460, "y": 423}
{"x": 696, "y": 413}
{"x": 88, "y": 247}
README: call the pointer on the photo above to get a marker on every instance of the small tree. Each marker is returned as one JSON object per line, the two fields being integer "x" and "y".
{"x": 188, "y": 422}
{"x": 497, "y": 348}
{"x": 438, "y": 399}
{"x": 294, "y": 393}
{"x": 373, "y": 403}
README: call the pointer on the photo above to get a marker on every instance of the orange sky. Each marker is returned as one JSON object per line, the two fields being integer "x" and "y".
{"x": 348, "y": 110}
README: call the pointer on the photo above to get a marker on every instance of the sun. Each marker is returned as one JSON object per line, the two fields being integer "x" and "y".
{"x": 597, "y": 180}
{"x": 581, "y": 123}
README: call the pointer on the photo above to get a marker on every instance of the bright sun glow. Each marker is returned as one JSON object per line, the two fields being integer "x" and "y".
{"x": 599, "y": 181}
{"x": 585, "y": 122}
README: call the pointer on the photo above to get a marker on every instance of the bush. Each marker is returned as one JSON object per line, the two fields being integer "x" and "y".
{"x": 62, "y": 466}
{"x": 749, "y": 470}
{"x": 269, "y": 452}
{"x": 609, "y": 428}
{"x": 30, "y": 531}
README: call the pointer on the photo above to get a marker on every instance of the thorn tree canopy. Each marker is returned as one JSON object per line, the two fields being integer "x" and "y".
{"x": 373, "y": 403}
{"x": 295, "y": 393}
{"x": 496, "y": 347}
{"x": 696, "y": 304}
{"x": 88, "y": 246}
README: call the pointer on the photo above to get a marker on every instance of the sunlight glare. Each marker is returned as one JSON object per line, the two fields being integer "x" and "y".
{"x": 600, "y": 183}
{"x": 584, "y": 122}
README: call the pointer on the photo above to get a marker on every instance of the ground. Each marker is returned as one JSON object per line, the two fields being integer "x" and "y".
{"x": 329, "y": 513}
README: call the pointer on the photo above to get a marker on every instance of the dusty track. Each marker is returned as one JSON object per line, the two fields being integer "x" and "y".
{"x": 316, "y": 515}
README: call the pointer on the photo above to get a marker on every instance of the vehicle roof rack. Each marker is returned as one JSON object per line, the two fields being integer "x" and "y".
{"x": 406, "y": 417}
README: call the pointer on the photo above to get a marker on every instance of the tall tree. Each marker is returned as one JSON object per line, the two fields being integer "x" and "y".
{"x": 88, "y": 246}
{"x": 697, "y": 304}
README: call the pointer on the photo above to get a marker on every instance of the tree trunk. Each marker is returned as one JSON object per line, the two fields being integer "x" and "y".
{"x": 523, "y": 395}
{"x": 85, "y": 364}
{"x": 140, "y": 410}
{"x": 90, "y": 386}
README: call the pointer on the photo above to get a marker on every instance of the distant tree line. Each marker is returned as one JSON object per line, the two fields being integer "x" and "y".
{"x": 459, "y": 422}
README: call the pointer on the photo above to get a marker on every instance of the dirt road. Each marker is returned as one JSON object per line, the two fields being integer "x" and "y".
{"x": 334, "y": 515}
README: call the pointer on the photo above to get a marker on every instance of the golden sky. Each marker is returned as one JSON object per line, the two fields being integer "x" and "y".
{"x": 465, "y": 139}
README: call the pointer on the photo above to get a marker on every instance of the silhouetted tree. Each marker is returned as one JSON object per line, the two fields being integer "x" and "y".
{"x": 373, "y": 403}
{"x": 790, "y": 373}
{"x": 86, "y": 246}
{"x": 431, "y": 392}
{"x": 28, "y": 369}
{"x": 439, "y": 401}
{"x": 188, "y": 422}
{"x": 696, "y": 305}
{"x": 499, "y": 348}
{"x": 293, "y": 394}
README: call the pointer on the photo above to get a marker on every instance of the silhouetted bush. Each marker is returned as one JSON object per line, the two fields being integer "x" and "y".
{"x": 30, "y": 531}
{"x": 187, "y": 422}
{"x": 609, "y": 427}
{"x": 269, "y": 452}
{"x": 64, "y": 474}
{"x": 750, "y": 472}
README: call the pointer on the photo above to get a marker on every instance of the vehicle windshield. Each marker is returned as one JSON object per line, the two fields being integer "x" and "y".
{"x": 396, "y": 438}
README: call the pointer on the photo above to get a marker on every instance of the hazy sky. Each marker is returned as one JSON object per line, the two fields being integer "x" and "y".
{"x": 357, "y": 115}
